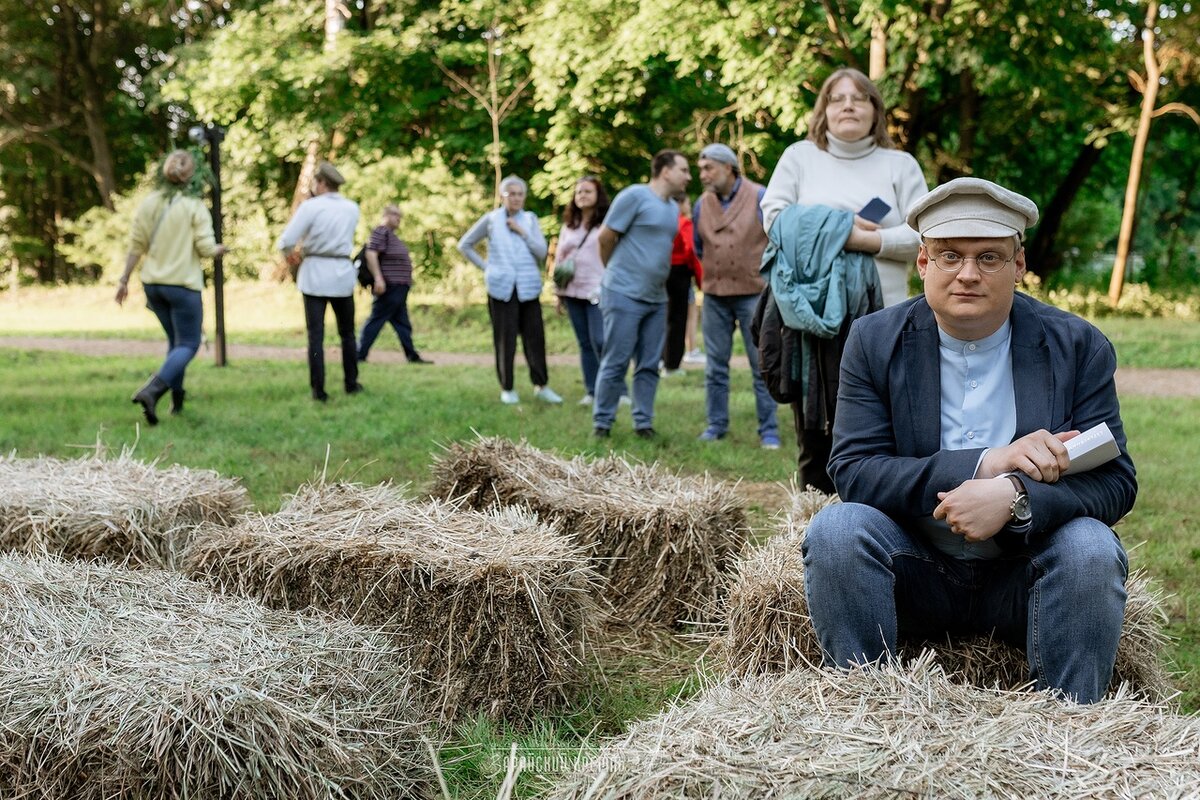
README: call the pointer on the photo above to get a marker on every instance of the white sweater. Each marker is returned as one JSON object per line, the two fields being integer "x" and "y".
{"x": 847, "y": 176}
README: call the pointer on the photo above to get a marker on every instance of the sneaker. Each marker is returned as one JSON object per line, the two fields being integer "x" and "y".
{"x": 694, "y": 357}
{"x": 625, "y": 401}
{"x": 645, "y": 433}
{"x": 601, "y": 433}
{"x": 769, "y": 442}
{"x": 670, "y": 373}
{"x": 711, "y": 435}
{"x": 547, "y": 395}
{"x": 587, "y": 400}
{"x": 509, "y": 397}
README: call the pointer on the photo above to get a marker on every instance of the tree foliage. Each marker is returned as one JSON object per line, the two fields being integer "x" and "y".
{"x": 1031, "y": 93}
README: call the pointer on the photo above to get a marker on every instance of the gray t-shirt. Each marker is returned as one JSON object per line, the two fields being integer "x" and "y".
{"x": 641, "y": 260}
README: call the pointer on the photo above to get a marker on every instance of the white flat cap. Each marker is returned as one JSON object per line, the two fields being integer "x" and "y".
{"x": 971, "y": 208}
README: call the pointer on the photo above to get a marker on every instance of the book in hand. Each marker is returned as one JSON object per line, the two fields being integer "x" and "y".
{"x": 1090, "y": 449}
{"x": 875, "y": 210}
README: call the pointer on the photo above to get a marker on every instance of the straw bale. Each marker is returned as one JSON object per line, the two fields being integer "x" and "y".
{"x": 660, "y": 540}
{"x": 139, "y": 684}
{"x": 492, "y": 610}
{"x": 887, "y": 733}
{"x": 121, "y": 509}
{"x": 767, "y": 627}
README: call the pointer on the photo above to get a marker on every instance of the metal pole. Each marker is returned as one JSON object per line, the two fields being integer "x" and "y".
{"x": 214, "y": 134}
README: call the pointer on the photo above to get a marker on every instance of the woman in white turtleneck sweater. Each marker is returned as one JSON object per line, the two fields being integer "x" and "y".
{"x": 847, "y": 160}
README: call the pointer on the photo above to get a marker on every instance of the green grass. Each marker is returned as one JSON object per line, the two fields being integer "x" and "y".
{"x": 271, "y": 314}
{"x": 1162, "y": 343}
{"x": 255, "y": 420}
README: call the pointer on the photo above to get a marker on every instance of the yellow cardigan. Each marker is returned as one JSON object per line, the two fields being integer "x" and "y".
{"x": 183, "y": 237}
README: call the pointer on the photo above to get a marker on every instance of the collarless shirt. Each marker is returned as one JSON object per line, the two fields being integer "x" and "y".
{"x": 978, "y": 409}
{"x": 325, "y": 224}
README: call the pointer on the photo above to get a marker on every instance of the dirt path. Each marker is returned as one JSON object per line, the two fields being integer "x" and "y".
{"x": 1130, "y": 380}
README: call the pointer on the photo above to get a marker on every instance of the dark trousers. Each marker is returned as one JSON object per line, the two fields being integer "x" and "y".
{"x": 512, "y": 317}
{"x": 314, "y": 320}
{"x": 679, "y": 280}
{"x": 180, "y": 312}
{"x": 812, "y": 454}
{"x": 389, "y": 307}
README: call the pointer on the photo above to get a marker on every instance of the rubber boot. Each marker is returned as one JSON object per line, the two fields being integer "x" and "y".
{"x": 147, "y": 397}
{"x": 177, "y": 396}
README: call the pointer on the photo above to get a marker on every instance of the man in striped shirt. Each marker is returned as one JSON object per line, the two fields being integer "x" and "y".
{"x": 391, "y": 266}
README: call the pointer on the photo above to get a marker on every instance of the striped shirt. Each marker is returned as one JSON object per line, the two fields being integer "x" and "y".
{"x": 394, "y": 260}
{"x": 514, "y": 262}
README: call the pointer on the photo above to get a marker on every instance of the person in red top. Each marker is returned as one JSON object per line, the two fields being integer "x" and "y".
{"x": 685, "y": 267}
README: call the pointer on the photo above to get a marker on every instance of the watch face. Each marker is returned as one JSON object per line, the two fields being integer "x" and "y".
{"x": 1020, "y": 509}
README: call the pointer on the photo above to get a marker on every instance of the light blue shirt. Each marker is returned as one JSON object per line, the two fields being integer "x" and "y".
{"x": 513, "y": 261}
{"x": 978, "y": 409}
{"x": 641, "y": 261}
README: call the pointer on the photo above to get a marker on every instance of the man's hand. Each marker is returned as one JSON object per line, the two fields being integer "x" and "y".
{"x": 977, "y": 509}
{"x": 1041, "y": 455}
{"x": 379, "y": 287}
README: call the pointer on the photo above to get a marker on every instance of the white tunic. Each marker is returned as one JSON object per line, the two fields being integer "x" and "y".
{"x": 325, "y": 224}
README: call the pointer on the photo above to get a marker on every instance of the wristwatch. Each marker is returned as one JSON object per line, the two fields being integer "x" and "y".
{"x": 1020, "y": 511}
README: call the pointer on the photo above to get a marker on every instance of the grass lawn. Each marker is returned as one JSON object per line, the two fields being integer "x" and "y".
{"x": 271, "y": 314}
{"x": 256, "y": 421}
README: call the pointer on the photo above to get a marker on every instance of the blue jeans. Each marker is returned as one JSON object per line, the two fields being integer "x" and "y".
{"x": 633, "y": 330}
{"x": 1062, "y": 598}
{"x": 588, "y": 323}
{"x": 720, "y": 316}
{"x": 181, "y": 314}
{"x": 391, "y": 306}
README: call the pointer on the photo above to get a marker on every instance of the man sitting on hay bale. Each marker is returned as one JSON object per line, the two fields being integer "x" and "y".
{"x": 949, "y": 450}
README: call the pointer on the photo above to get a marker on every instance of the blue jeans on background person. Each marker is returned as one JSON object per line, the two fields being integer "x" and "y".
{"x": 633, "y": 330}
{"x": 391, "y": 306}
{"x": 1061, "y": 599}
{"x": 180, "y": 311}
{"x": 717, "y": 323}
{"x": 588, "y": 324}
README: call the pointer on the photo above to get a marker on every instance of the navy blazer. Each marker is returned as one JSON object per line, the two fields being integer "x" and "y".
{"x": 887, "y": 429}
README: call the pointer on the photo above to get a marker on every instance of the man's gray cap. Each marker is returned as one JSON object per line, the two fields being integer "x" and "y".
{"x": 722, "y": 153}
{"x": 972, "y": 208}
{"x": 328, "y": 173}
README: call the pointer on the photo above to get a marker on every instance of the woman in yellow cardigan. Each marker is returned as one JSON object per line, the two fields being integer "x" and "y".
{"x": 173, "y": 230}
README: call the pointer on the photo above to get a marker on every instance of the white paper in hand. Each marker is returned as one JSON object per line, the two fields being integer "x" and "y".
{"x": 1090, "y": 449}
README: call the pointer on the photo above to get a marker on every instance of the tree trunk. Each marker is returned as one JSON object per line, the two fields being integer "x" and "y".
{"x": 878, "y": 57}
{"x": 1128, "y": 214}
{"x": 1041, "y": 254}
{"x": 91, "y": 96}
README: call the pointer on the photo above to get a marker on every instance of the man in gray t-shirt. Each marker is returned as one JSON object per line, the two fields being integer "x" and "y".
{"x": 635, "y": 246}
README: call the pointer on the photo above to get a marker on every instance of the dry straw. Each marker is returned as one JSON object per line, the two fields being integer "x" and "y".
{"x": 140, "y": 684}
{"x": 889, "y": 733}
{"x": 661, "y": 540}
{"x": 767, "y": 627}
{"x": 120, "y": 509}
{"x": 493, "y": 610}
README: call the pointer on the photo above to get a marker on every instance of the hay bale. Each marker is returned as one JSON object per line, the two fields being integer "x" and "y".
{"x": 121, "y": 509}
{"x": 660, "y": 540}
{"x": 767, "y": 628}
{"x": 493, "y": 610}
{"x": 886, "y": 733}
{"x": 144, "y": 684}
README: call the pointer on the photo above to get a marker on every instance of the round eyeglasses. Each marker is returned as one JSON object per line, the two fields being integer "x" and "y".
{"x": 950, "y": 261}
